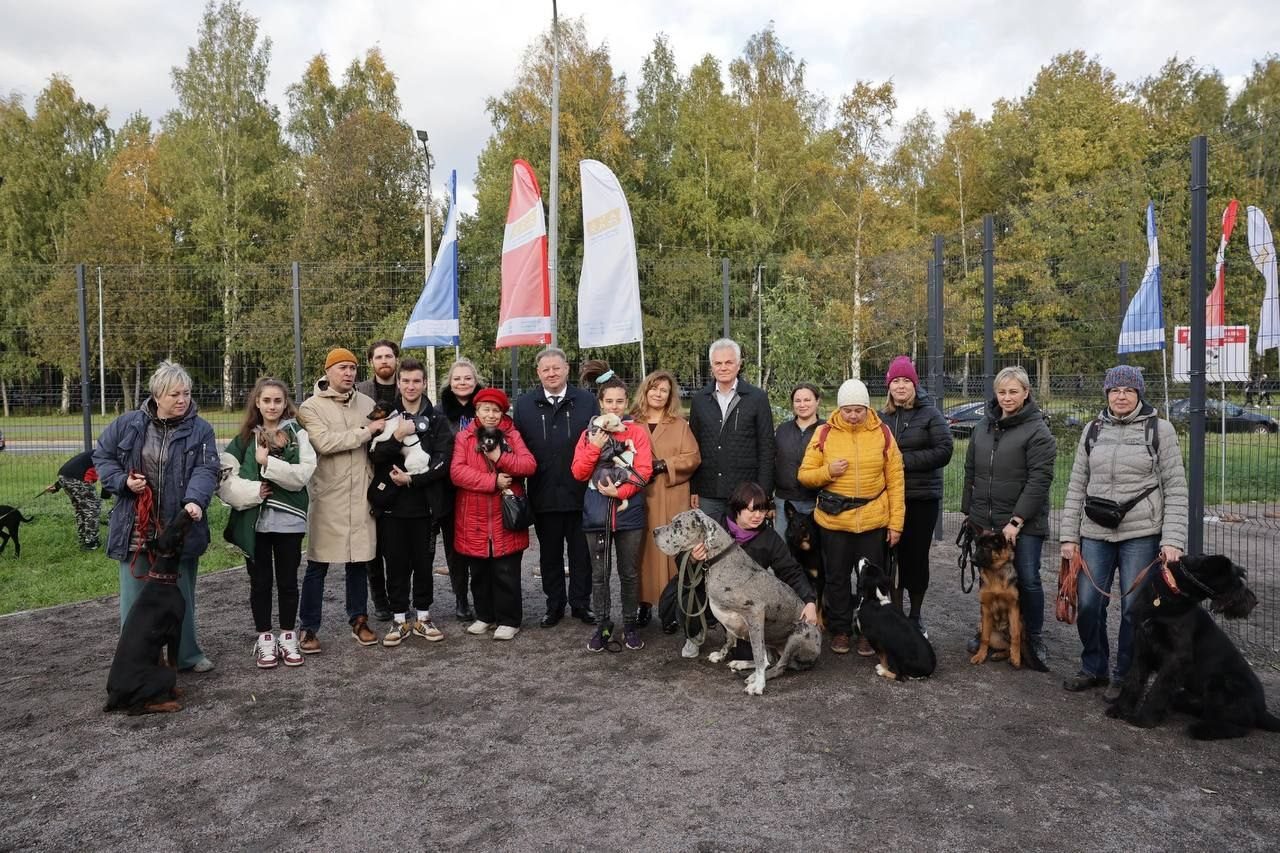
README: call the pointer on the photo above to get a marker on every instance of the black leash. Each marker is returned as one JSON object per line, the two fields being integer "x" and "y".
{"x": 967, "y": 570}
{"x": 611, "y": 644}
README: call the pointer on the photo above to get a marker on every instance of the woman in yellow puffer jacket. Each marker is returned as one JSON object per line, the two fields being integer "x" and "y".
{"x": 856, "y": 464}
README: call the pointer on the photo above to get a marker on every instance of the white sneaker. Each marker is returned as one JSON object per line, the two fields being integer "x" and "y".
{"x": 690, "y": 649}
{"x": 505, "y": 632}
{"x": 265, "y": 651}
{"x": 478, "y": 627}
{"x": 289, "y": 651}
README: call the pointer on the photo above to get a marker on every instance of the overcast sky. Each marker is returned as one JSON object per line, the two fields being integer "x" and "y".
{"x": 450, "y": 56}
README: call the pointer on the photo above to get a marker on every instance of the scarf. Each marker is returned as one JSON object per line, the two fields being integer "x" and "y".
{"x": 739, "y": 535}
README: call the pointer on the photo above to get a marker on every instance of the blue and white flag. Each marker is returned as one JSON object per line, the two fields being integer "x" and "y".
{"x": 434, "y": 321}
{"x": 1143, "y": 326}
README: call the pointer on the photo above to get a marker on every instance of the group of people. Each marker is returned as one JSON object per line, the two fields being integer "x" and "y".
{"x": 370, "y": 472}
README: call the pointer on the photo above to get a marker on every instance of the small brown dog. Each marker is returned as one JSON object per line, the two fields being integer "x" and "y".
{"x": 1000, "y": 633}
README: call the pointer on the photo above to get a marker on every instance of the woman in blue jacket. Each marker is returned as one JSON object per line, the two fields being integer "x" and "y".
{"x": 164, "y": 456}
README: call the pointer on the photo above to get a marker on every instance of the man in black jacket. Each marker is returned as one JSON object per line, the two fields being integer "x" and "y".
{"x": 405, "y": 503}
{"x": 733, "y": 425}
{"x": 384, "y": 361}
{"x": 550, "y": 419}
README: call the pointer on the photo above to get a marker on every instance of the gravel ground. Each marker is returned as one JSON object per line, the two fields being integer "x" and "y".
{"x": 536, "y": 743}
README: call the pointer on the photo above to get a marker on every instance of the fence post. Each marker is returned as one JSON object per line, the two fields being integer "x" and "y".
{"x": 1124, "y": 287}
{"x": 988, "y": 306}
{"x": 1199, "y": 233}
{"x": 299, "y": 387}
{"x": 935, "y": 347}
{"x": 85, "y": 391}
{"x": 724, "y": 284}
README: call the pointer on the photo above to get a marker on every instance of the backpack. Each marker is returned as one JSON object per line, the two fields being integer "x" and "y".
{"x": 1151, "y": 433}
{"x": 884, "y": 430}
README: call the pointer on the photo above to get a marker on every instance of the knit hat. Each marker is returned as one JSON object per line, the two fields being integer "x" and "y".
{"x": 1124, "y": 376}
{"x": 492, "y": 395}
{"x": 853, "y": 393}
{"x": 902, "y": 368}
{"x": 337, "y": 355}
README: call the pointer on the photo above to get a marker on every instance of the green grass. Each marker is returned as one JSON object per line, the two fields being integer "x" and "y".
{"x": 70, "y": 427}
{"x": 1252, "y": 469}
{"x": 53, "y": 569}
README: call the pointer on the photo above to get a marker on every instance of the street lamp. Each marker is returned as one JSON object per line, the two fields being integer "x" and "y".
{"x": 426, "y": 239}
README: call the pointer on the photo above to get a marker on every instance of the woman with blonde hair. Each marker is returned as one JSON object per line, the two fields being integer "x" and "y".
{"x": 656, "y": 404}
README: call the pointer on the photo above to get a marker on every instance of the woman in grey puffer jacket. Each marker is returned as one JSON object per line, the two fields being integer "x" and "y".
{"x": 1008, "y": 470}
{"x": 1127, "y": 453}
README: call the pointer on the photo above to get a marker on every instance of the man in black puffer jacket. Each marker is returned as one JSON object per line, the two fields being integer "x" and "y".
{"x": 733, "y": 425}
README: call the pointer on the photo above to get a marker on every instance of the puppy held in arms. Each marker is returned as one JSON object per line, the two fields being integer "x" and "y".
{"x": 1000, "y": 632}
{"x": 416, "y": 458}
{"x": 1191, "y": 663}
{"x": 139, "y": 682}
{"x": 904, "y": 652}
{"x": 749, "y": 602}
{"x": 616, "y": 464}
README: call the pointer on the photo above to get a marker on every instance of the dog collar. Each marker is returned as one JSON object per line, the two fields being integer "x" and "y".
{"x": 1169, "y": 581}
{"x": 162, "y": 577}
{"x": 711, "y": 561}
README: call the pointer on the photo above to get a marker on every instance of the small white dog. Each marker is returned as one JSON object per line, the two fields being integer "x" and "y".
{"x": 416, "y": 458}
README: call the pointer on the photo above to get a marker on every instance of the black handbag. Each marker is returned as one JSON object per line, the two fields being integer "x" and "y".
{"x": 833, "y": 504}
{"x": 517, "y": 515}
{"x": 1107, "y": 513}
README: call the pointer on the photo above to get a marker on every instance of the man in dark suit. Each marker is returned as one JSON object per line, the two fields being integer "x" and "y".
{"x": 550, "y": 419}
{"x": 733, "y": 425}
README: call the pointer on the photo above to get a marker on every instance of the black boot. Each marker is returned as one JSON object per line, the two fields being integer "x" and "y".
{"x": 645, "y": 616}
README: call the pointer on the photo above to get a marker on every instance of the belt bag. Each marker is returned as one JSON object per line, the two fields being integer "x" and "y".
{"x": 1108, "y": 513}
{"x": 833, "y": 504}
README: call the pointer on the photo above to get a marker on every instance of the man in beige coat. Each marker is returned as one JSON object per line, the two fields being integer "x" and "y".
{"x": 339, "y": 526}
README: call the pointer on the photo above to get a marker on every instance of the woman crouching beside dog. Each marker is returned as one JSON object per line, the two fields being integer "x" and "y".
{"x": 492, "y": 551}
{"x": 1128, "y": 455}
{"x": 162, "y": 456}
{"x": 266, "y": 468}
{"x": 614, "y": 457}
{"x": 855, "y": 463}
{"x": 1008, "y": 470}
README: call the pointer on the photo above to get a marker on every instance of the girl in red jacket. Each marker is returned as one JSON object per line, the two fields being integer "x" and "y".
{"x": 617, "y": 465}
{"x": 494, "y": 552}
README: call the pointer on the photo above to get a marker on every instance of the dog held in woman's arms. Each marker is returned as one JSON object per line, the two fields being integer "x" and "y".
{"x": 1196, "y": 667}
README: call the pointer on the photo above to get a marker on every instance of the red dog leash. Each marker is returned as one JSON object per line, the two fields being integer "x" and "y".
{"x": 143, "y": 524}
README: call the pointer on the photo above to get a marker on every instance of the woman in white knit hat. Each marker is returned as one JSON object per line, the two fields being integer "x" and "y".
{"x": 855, "y": 463}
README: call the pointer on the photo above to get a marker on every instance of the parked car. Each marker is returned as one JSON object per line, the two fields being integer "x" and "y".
{"x": 1, "y": 439}
{"x": 1239, "y": 419}
{"x": 962, "y": 419}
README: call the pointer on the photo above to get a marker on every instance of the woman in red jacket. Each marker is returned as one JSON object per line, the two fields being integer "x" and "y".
{"x": 617, "y": 463}
{"x": 493, "y": 551}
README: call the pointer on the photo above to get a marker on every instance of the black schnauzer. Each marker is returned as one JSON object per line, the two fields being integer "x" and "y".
{"x": 138, "y": 682}
{"x": 1197, "y": 668}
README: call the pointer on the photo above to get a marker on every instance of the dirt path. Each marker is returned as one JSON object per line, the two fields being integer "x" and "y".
{"x": 536, "y": 743}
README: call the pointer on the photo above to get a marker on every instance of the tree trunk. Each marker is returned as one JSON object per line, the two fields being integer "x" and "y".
{"x": 4, "y": 396}
{"x": 126, "y": 392}
{"x": 64, "y": 405}
{"x": 1044, "y": 377}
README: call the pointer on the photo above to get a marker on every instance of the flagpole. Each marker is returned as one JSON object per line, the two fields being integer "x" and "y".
{"x": 1164, "y": 369}
{"x": 553, "y": 247}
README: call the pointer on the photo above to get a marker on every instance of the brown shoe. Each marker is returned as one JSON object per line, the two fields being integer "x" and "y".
{"x": 864, "y": 648}
{"x": 309, "y": 644}
{"x": 840, "y": 644}
{"x": 362, "y": 632}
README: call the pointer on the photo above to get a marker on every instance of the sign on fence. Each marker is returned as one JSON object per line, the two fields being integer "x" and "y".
{"x": 1226, "y": 358}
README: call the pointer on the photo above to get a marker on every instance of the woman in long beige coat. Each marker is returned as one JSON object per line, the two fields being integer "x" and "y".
{"x": 675, "y": 458}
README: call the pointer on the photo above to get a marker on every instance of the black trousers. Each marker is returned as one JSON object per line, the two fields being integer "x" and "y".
{"x": 841, "y": 551}
{"x": 276, "y": 556}
{"x": 913, "y": 547}
{"x": 409, "y": 548}
{"x": 555, "y": 530}
{"x": 459, "y": 571}
{"x": 495, "y": 588}
{"x": 378, "y": 578}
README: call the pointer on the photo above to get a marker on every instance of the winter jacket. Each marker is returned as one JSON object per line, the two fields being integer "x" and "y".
{"x": 875, "y": 472}
{"x": 925, "y": 441}
{"x": 188, "y": 465}
{"x": 429, "y": 493}
{"x": 790, "y": 442}
{"x": 1120, "y": 467}
{"x": 459, "y": 415}
{"x": 768, "y": 550}
{"x": 242, "y": 479}
{"x": 551, "y": 435}
{"x": 477, "y": 515}
{"x": 339, "y": 526}
{"x": 1008, "y": 470}
{"x": 600, "y": 511}
{"x": 735, "y": 449}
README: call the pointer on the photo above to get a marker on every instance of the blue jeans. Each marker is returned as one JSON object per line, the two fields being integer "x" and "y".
{"x": 780, "y": 513}
{"x": 1026, "y": 559}
{"x": 714, "y": 507}
{"x": 189, "y": 653}
{"x": 1103, "y": 558}
{"x": 312, "y": 599}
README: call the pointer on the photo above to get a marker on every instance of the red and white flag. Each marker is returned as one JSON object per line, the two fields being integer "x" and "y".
{"x": 1215, "y": 311}
{"x": 524, "y": 316}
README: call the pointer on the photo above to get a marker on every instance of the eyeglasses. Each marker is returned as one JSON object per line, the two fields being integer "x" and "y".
{"x": 1129, "y": 391}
